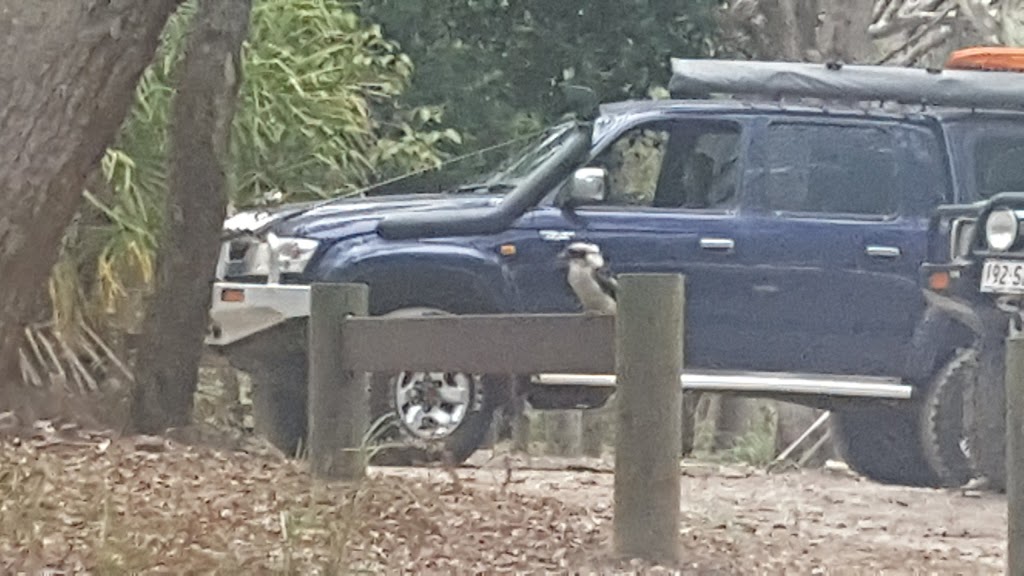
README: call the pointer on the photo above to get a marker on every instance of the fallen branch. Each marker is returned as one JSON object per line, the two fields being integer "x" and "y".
{"x": 810, "y": 430}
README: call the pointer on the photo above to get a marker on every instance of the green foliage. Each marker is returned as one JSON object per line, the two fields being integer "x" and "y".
{"x": 496, "y": 64}
{"x": 317, "y": 117}
{"x": 317, "y": 113}
{"x": 756, "y": 446}
{"x": 330, "y": 103}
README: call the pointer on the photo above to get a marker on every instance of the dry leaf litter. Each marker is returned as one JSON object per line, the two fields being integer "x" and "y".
{"x": 81, "y": 502}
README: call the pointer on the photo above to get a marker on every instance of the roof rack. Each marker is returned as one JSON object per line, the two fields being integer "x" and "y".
{"x": 956, "y": 88}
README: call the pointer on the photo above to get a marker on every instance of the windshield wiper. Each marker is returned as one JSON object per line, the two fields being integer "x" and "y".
{"x": 483, "y": 188}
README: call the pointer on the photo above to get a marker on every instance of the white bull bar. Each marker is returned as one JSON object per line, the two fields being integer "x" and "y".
{"x": 239, "y": 310}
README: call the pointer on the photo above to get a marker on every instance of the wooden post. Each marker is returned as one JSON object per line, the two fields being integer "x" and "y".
{"x": 649, "y": 361}
{"x": 339, "y": 400}
{"x": 1015, "y": 454}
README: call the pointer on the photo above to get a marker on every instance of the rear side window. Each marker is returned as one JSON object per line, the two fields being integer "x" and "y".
{"x": 829, "y": 169}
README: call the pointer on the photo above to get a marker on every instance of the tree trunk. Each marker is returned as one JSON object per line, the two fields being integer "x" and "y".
{"x": 844, "y": 32}
{"x": 66, "y": 84}
{"x": 1011, "y": 25}
{"x": 176, "y": 319}
{"x": 790, "y": 28}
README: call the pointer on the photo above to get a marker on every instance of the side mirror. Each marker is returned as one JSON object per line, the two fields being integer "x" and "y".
{"x": 588, "y": 186}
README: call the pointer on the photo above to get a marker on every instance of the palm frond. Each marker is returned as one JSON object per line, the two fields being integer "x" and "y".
{"x": 316, "y": 118}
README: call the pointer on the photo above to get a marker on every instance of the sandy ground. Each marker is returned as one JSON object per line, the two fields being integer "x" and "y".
{"x": 739, "y": 520}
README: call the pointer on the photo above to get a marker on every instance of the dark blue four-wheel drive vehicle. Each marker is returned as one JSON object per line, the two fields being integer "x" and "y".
{"x": 982, "y": 284}
{"x": 801, "y": 229}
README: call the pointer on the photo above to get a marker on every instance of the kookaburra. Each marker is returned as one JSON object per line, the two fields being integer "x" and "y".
{"x": 589, "y": 278}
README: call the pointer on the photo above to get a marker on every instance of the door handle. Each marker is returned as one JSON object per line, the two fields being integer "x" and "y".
{"x": 556, "y": 235}
{"x": 717, "y": 243}
{"x": 883, "y": 251}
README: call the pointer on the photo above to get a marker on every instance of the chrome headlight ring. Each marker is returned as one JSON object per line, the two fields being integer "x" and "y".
{"x": 290, "y": 255}
{"x": 1001, "y": 229}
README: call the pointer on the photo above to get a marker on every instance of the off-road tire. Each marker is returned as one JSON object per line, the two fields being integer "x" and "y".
{"x": 279, "y": 403}
{"x": 942, "y": 419}
{"x": 985, "y": 418}
{"x": 883, "y": 444}
{"x": 275, "y": 361}
{"x": 277, "y": 365}
{"x": 457, "y": 447}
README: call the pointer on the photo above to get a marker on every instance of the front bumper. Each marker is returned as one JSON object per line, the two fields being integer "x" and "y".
{"x": 239, "y": 310}
{"x": 955, "y": 279}
{"x": 961, "y": 296}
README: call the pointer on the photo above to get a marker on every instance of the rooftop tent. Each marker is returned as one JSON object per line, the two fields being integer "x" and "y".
{"x": 951, "y": 87}
{"x": 1003, "y": 58}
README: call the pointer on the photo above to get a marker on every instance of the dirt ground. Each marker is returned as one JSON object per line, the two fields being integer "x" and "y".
{"x": 738, "y": 520}
{"x": 90, "y": 503}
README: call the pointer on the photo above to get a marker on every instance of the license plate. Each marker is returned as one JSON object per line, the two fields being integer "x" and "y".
{"x": 1003, "y": 276}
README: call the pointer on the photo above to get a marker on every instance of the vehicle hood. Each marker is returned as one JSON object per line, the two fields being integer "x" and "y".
{"x": 345, "y": 217}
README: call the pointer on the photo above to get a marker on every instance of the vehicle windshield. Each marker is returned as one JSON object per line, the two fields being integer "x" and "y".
{"x": 989, "y": 156}
{"x": 537, "y": 151}
{"x": 526, "y": 157}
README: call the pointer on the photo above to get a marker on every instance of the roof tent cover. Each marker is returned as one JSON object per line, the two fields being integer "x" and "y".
{"x": 1006, "y": 58}
{"x": 954, "y": 88}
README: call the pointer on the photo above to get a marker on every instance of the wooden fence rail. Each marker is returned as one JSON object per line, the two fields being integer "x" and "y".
{"x": 481, "y": 344}
{"x": 642, "y": 345}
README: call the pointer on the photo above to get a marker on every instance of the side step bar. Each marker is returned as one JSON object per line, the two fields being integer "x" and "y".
{"x": 758, "y": 382}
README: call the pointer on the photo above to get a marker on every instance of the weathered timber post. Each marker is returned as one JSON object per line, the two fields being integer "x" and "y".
{"x": 339, "y": 401}
{"x": 1015, "y": 454}
{"x": 648, "y": 363}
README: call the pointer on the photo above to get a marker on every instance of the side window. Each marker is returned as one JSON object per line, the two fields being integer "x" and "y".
{"x": 999, "y": 165}
{"x": 830, "y": 169}
{"x": 720, "y": 149}
{"x": 634, "y": 164}
{"x": 681, "y": 164}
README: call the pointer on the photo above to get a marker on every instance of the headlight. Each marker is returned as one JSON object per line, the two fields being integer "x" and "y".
{"x": 1001, "y": 229}
{"x": 291, "y": 255}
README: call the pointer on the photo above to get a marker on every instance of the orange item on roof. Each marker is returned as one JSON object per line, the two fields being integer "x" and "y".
{"x": 1002, "y": 58}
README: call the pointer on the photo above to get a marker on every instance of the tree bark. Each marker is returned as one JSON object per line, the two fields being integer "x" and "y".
{"x": 1011, "y": 25}
{"x": 790, "y": 26}
{"x": 208, "y": 79}
{"x": 844, "y": 32}
{"x": 67, "y": 82}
